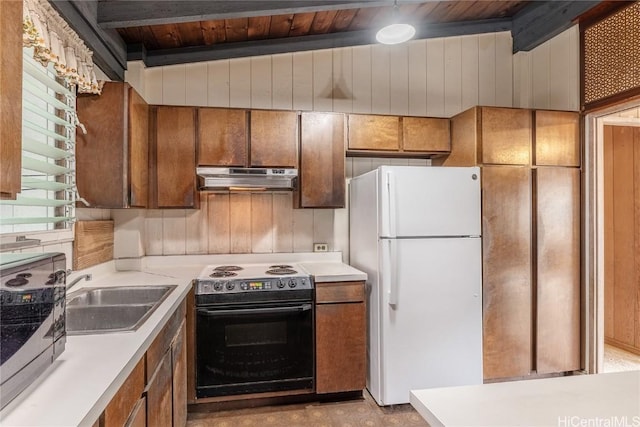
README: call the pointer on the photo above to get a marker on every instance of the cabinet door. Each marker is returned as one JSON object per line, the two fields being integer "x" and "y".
{"x": 340, "y": 337}
{"x": 175, "y": 157}
{"x": 322, "y": 178}
{"x": 426, "y": 135}
{"x": 101, "y": 153}
{"x": 558, "y": 269}
{"x": 179, "y": 362}
{"x": 374, "y": 132}
{"x": 138, "y": 417}
{"x": 340, "y": 347}
{"x": 506, "y": 258}
{"x": 159, "y": 395}
{"x": 123, "y": 403}
{"x": 10, "y": 98}
{"x": 274, "y": 138}
{"x": 557, "y": 138}
{"x": 506, "y": 136}
{"x": 222, "y": 137}
{"x": 138, "y": 155}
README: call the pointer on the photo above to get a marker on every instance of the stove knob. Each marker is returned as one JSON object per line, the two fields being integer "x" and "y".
{"x": 292, "y": 283}
{"x": 280, "y": 284}
{"x": 230, "y": 286}
{"x": 217, "y": 286}
{"x": 244, "y": 286}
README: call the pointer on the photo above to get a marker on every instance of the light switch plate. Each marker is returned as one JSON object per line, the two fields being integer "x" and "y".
{"x": 320, "y": 247}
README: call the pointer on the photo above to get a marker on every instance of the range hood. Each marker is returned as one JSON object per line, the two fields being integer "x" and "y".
{"x": 256, "y": 179}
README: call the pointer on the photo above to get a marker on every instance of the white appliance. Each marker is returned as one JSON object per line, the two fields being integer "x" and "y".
{"x": 415, "y": 231}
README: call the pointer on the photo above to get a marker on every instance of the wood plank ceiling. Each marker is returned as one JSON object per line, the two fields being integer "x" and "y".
{"x": 172, "y": 32}
{"x": 216, "y": 32}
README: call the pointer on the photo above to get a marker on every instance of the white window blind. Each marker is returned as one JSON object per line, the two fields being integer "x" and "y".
{"x": 47, "y": 199}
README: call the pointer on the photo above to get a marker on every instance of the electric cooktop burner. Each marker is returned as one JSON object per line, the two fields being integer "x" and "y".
{"x": 280, "y": 266}
{"x": 281, "y": 271}
{"x": 228, "y": 268}
{"x": 222, "y": 273}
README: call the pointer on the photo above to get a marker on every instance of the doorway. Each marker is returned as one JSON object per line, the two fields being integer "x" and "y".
{"x": 612, "y": 238}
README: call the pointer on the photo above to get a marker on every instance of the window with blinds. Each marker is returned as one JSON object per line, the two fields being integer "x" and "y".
{"x": 47, "y": 199}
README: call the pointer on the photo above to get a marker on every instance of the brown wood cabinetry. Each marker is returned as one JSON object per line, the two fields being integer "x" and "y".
{"x": 222, "y": 137}
{"x": 10, "y": 98}
{"x": 124, "y": 402}
{"x": 378, "y": 133}
{"x": 557, "y": 210}
{"x": 394, "y": 136}
{"x": 173, "y": 157}
{"x": 112, "y": 158}
{"x": 530, "y": 233}
{"x": 506, "y": 282}
{"x": 426, "y": 134}
{"x": 340, "y": 337}
{"x": 557, "y": 138}
{"x": 274, "y": 139}
{"x": 322, "y": 176}
{"x": 154, "y": 394}
{"x": 490, "y": 135}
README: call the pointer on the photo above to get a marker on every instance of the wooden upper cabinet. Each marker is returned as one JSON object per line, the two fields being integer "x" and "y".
{"x": 173, "y": 160}
{"x": 10, "y": 98}
{"x": 222, "y": 137}
{"x": 322, "y": 179}
{"x": 274, "y": 138}
{"x": 112, "y": 157}
{"x": 557, "y": 138}
{"x": 426, "y": 134}
{"x": 464, "y": 140}
{"x": 505, "y": 136}
{"x": 379, "y": 133}
{"x": 506, "y": 271}
{"x": 558, "y": 269}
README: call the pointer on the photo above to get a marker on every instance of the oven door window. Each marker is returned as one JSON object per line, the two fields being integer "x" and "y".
{"x": 254, "y": 349}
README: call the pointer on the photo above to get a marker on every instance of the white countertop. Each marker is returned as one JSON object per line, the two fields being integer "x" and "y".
{"x": 581, "y": 400}
{"x": 77, "y": 387}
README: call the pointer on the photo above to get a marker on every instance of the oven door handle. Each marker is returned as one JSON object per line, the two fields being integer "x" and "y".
{"x": 242, "y": 311}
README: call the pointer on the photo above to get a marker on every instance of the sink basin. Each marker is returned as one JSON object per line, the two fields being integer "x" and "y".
{"x": 106, "y": 318}
{"x": 112, "y": 309}
{"x": 120, "y": 295}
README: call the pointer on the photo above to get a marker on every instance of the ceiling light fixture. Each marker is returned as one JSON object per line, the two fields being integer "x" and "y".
{"x": 395, "y": 32}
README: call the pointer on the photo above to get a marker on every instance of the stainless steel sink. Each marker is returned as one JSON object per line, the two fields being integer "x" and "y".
{"x": 112, "y": 309}
{"x": 120, "y": 295}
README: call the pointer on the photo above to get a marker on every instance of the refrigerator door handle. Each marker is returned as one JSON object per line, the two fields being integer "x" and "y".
{"x": 391, "y": 193}
{"x": 393, "y": 272}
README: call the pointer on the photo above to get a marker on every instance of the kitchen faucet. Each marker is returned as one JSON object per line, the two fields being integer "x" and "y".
{"x": 77, "y": 279}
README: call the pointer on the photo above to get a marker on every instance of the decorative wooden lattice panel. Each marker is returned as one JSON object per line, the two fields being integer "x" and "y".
{"x": 612, "y": 55}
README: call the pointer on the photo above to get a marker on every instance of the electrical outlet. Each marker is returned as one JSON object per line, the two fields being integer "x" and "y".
{"x": 320, "y": 247}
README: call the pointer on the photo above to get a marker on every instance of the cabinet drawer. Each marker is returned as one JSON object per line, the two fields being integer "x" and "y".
{"x": 163, "y": 341}
{"x": 125, "y": 400}
{"x": 332, "y": 292}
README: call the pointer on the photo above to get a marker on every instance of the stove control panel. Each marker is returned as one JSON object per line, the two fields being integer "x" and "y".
{"x": 270, "y": 284}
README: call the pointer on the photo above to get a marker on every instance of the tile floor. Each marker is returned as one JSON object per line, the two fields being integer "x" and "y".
{"x": 364, "y": 412}
{"x": 618, "y": 360}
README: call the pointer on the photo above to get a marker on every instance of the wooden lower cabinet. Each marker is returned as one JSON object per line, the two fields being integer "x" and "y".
{"x": 155, "y": 393}
{"x": 340, "y": 337}
{"x": 159, "y": 396}
{"x": 138, "y": 417}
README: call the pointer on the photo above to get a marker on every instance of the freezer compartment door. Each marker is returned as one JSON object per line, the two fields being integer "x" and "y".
{"x": 429, "y": 201}
{"x": 431, "y": 315}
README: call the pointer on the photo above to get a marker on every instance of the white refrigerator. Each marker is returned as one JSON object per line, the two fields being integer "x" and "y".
{"x": 415, "y": 231}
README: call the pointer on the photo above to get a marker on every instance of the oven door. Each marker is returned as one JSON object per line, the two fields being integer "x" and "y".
{"x": 254, "y": 349}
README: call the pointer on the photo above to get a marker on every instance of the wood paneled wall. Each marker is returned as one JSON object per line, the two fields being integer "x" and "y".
{"x": 548, "y": 77}
{"x": 436, "y": 77}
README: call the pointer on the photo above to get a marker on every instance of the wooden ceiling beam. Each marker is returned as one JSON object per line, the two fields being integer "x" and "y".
{"x": 127, "y": 13}
{"x": 161, "y": 57}
{"x": 541, "y": 21}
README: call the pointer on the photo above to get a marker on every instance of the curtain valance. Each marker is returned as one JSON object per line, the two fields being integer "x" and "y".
{"x": 53, "y": 41}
